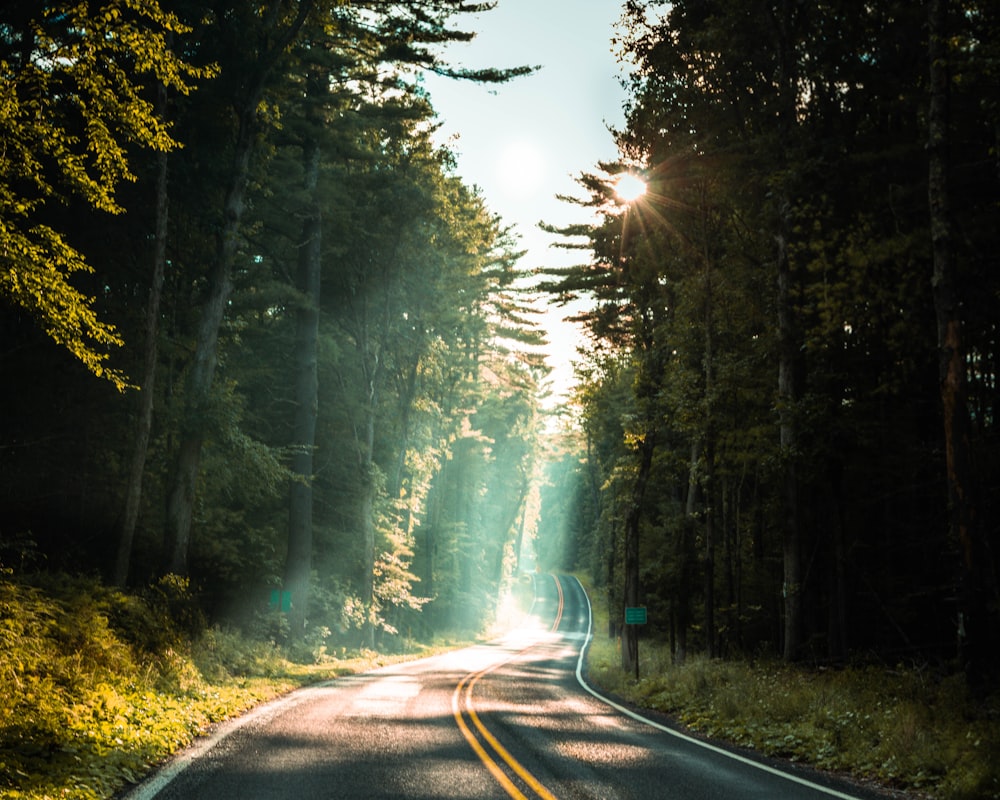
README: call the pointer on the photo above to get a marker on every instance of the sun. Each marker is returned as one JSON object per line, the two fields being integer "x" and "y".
{"x": 629, "y": 187}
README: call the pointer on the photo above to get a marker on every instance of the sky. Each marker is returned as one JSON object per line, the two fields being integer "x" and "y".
{"x": 522, "y": 143}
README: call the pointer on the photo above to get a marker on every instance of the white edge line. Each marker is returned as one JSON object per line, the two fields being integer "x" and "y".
{"x": 161, "y": 777}
{"x": 639, "y": 718}
{"x": 164, "y": 775}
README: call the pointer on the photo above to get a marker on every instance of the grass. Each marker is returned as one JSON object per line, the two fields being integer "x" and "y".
{"x": 99, "y": 687}
{"x": 903, "y": 728}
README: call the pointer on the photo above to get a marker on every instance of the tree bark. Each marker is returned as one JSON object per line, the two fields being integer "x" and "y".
{"x": 408, "y": 393}
{"x": 710, "y": 630}
{"x": 787, "y": 434}
{"x": 366, "y": 468}
{"x": 977, "y": 638}
{"x": 367, "y": 512}
{"x": 630, "y": 638}
{"x": 150, "y": 355}
{"x": 786, "y": 79}
{"x": 709, "y": 478}
{"x": 198, "y": 386}
{"x": 298, "y": 561}
{"x": 681, "y": 593}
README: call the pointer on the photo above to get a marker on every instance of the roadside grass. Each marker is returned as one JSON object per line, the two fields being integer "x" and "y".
{"x": 903, "y": 728}
{"x": 98, "y": 687}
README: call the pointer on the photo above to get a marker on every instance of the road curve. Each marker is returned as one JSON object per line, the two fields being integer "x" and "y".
{"x": 510, "y": 719}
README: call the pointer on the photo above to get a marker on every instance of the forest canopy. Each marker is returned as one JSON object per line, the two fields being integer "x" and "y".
{"x": 258, "y": 333}
{"x": 322, "y": 384}
{"x": 789, "y": 411}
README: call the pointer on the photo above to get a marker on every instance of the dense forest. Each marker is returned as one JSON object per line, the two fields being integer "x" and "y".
{"x": 788, "y": 411}
{"x": 257, "y": 333}
{"x": 259, "y": 337}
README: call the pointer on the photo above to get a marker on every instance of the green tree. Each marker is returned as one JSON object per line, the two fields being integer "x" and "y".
{"x": 251, "y": 47}
{"x": 257, "y": 42}
{"x": 633, "y": 305}
{"x": 979, "y": 588}
{"x": 791, "y": 248}
{"x": 74, "y": 100}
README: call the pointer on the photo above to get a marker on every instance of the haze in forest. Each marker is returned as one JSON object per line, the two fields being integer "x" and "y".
{"x": 269, "y": 370}
{"x": 525, "y": 142}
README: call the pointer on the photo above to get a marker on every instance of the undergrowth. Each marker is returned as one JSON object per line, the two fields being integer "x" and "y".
{"x": 902, "y": 727}
{"x": 98, "y": 686}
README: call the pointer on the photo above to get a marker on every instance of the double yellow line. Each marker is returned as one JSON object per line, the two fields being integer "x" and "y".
{"x": 464, "y": 692}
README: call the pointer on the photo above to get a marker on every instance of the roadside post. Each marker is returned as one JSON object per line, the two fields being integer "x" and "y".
{"x": 635, "y": 615}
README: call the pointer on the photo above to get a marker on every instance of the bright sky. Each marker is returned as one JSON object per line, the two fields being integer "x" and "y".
{"x": 524, "y": 142}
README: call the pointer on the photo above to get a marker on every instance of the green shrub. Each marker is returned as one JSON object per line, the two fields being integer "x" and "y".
{"x": 85, "y": 708}
{"x": 99, "y": 685}
{"x": 901, "y": 726}
{"x": 223, "y": 653}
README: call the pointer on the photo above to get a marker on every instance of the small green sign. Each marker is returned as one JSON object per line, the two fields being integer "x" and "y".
{"x": 280, "y": 600}
{"x": 635, "y": 616}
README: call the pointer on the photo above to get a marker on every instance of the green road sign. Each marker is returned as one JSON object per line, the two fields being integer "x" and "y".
{"x": 280, "y": 600}
{"x": 635, "y": 616}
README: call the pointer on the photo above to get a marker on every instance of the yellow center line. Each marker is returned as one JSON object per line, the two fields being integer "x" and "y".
{"x": 467, "y": 684}
{"x": 470, "y": 737}
{"x": 498, "y": 748}
{"x": 559, "y": 611}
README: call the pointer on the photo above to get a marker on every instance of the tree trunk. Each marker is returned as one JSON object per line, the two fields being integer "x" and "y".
{"x": 519, "y": 542}
{"x": 407, "y": 395}
{"x": 198, "y": 386}
{"x": 709, "y": 479}
{"x": 432, "y": 524}
{"x": 977, "y": 590}
{"x": 710, "y": 631}
{"x": 298, "y": 562}
{"x": 630, "y": 639}
{"x": 612, "y": 565}
{"x": 180, "y": 505}
{"x": 732, "y": 525}
{"x": 150, "y": 356}
{"x": 786, "y": 81}
{"x": 791, "y": 538}
{"x": 698, "y": 498}
{"x": 837, "y": 635}
{"x": 367, "y": 512}
{"x": 681, "y": 593}
{"x": 366, "y": 465}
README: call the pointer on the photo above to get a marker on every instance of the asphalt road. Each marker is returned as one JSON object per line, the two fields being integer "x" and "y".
{"x": 512, "y": 718}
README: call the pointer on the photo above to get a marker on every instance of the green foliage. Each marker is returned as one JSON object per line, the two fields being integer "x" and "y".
{"x": 418, "y": 309}
{"x": 85, "y": 708}
{"x": 764, "y": 316}
{"x": 94, "y": 699}
{"x": 72, "y": 102}
{"x": 220, "y": 654}
{"x": 903, "y": 727}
